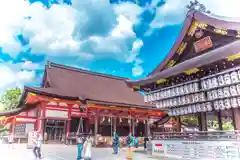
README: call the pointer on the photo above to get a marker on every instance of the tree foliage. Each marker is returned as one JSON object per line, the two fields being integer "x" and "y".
{"x": 197, "y": 6}
{"x": 10, "y": 98}
{"x": 227, "y": 124}
{"x": 190, "y": 119}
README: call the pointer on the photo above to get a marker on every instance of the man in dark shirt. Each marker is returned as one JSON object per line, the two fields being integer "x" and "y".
{"x": 146, "y": 139}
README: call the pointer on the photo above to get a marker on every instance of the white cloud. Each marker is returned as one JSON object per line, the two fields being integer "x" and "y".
{"x": 14, "y": 76}
{"x": 84, "y": 29}
{"x": 173, "y": 11}
{"x": 137, "y": 45}
{"x": 129, "y": 10}
{"x": 137, "y": 70}
{"x": 64, "y": 30}
{"x": 28, "y": 65}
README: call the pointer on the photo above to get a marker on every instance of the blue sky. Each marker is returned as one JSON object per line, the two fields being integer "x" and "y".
{"x": 125, "y": 38}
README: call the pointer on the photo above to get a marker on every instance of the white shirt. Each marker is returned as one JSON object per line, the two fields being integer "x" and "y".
{"x": 39, "y": 141}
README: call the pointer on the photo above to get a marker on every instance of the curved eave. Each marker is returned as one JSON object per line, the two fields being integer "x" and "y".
{"x": 218, "y": 22}
{"x": 50, "y": 92}
{"x": 147, "y": 106}
{"x": 21, "y": 108}
{"x": 210, "y": 57}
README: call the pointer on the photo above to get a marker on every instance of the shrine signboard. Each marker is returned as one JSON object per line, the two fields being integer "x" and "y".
{"x": 203, "y": 44}
{"x": 201, "y": 150}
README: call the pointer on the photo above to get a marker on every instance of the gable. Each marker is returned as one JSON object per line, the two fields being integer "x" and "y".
{"x": 200, "y": 39}
{"x": 202, "y": 31}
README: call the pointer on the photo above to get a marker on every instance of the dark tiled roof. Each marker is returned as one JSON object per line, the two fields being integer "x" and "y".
{"x": 219, "y": 22}
{"x": 72, "y": 83}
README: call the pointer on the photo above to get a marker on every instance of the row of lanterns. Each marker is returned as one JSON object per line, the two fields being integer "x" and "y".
{"x": 109, "y": 120}
{"x": 171, "y": 92}
{"x": 225, "y": 92}
{"x": 228, "y": 78}
{"x": 183, "y": 100}
{"x": 229, "y": 81}
{"x": 206, "y": 107}
{"x": 227, "y": 103}
{"x": 199, "y": 107}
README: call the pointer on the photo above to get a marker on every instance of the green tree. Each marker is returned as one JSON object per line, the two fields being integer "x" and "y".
{"x": 10, "y": 98}
{"x": 227, "y": 125}
{"x": 190, "y": 119}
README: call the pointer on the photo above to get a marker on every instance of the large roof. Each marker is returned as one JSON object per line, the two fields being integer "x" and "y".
{"x": 193, "y": 15}
{"x": 73, "y": 83}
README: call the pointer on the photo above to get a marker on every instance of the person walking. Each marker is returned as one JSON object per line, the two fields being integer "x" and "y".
{"x": 37, "y": 141}
{"x": 136, "y": 142}
{"x": 79, "y": 147}
{"x": 146, "y": 139}
{"x": 88, "y": 149}
{"x": 130, "y": 144}
{"x": 115, "y": 143}
{"x": 10, "y": 141}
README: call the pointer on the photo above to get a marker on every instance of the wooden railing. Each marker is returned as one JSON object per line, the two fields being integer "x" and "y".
{"x": 209, "y": 135}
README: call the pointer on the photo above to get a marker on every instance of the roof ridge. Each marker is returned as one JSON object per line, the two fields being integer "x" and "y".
{"x": 62, "y": 66}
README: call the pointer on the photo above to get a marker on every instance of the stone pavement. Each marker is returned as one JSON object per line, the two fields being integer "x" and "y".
{"x": 62, "y": 152}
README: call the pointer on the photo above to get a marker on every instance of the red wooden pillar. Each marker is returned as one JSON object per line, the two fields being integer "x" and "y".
{"x": 87, "y": 125}
{"x": 178, "y": 124}
{"x": 69, "y": 120}
{"x": 115, "y": 124}
{"x": 236, "y": 118}
{"x": 40, "y": 120}
{"x": 12, "y": 127}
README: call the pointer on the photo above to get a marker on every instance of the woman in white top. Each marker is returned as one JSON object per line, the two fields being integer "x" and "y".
{"x": 87, "y": 154}
{"x": 10, "y": 141}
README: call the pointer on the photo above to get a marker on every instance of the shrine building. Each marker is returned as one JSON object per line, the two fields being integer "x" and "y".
{"x": 200, "y": 75}
{"x": 72, "y": 100}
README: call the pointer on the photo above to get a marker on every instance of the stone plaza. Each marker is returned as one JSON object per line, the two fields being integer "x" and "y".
{"x": 63, "y": 152}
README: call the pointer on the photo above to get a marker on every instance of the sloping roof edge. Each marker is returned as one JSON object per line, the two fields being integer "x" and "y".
{"x": 53, "y": 93}
{"x": 22, "y": 107}
{"x": 212, "y": 56}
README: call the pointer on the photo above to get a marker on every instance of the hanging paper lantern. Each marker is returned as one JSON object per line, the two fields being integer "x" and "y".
{"x": 136, "y": 120}
{"x": 109, "y": 120}
{"x": 120, "y": 120}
